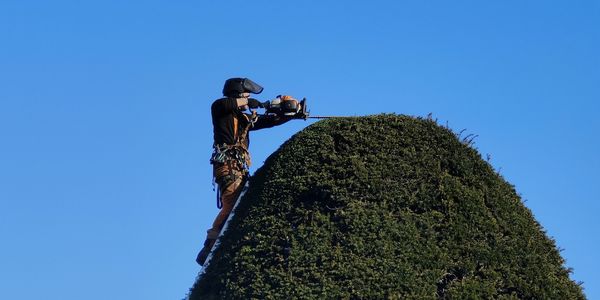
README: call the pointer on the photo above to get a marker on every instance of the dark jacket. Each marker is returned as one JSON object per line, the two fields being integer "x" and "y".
{"x": 225, "y": 110}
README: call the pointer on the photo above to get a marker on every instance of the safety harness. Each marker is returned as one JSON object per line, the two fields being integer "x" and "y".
{"x": 234, "y": 154}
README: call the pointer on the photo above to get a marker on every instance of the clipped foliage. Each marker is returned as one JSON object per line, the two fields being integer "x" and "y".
{"x": 382, "y": 207}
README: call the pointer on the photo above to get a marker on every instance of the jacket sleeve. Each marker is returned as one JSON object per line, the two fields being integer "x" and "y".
{"x": 268, "y": 122}
{"x": 223, "y": 106}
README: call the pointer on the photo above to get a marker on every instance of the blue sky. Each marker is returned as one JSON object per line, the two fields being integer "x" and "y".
{"x": 105, "y": 133}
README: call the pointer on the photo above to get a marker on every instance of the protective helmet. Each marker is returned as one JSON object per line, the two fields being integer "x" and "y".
{"x": 235, "y": 86}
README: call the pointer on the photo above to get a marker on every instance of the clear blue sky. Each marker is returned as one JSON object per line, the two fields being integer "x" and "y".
{"x": 105, "y": 133}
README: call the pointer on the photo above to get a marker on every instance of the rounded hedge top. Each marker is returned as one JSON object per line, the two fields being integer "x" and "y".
{"x": 382, "y": 207}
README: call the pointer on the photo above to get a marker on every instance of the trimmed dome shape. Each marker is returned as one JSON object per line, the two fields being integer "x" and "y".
{"x": 382, "y": 207}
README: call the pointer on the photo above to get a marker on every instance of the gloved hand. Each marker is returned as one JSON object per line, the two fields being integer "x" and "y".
{"x": 266, "y": 104}
{"x": 253, "y": 103}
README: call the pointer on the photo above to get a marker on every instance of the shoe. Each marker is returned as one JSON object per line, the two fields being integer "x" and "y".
{"x": 203, "y": 254}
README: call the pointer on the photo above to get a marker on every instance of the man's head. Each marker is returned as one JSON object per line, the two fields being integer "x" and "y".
{"x": 234, "y": 87}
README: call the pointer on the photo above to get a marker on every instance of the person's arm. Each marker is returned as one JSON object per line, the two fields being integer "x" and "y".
{"x": 227, "y": 105}
{"x": 268, "y": 121}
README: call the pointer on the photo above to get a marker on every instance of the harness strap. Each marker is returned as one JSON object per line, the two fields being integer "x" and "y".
{"x": 242, "y": 138}
{"x": 219, "y": 201}
{"x": 235, "y": 128}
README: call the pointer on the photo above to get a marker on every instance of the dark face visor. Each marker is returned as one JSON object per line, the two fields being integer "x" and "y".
{"x": 234, "y": 86}
{"x": 251, "y": 86}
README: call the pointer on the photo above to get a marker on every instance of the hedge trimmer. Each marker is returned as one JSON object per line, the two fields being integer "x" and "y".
{"x": 288, "y": 107}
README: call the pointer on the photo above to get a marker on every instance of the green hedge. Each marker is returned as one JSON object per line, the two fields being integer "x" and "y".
{"x": 382, "y": 207}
